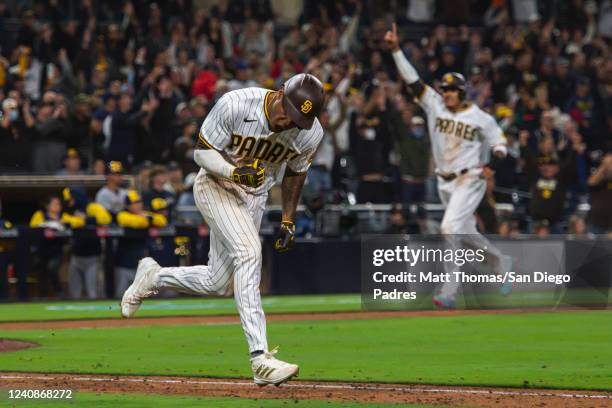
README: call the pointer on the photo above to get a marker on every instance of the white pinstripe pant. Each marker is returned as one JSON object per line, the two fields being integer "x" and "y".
{"x": 234, "y": 217}
{"x": 461, "y": 197}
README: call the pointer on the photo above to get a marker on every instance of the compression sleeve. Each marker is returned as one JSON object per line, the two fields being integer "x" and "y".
{"x": 212, "y": 161}
{"x": 405, "y": 68}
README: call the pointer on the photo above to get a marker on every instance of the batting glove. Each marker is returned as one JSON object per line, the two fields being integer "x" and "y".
{"x": 251, "y": 175}
{"x": 286, "y": 237}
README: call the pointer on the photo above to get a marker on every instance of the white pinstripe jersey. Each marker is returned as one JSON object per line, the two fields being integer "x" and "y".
{"x": 238, "y": 127}
{"x": 459, "y": 139}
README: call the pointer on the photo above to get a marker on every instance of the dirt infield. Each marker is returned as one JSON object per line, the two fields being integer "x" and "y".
{"x": 14, "y": 345}
{"x": 300, "y": 390}
{"x": 296, "y": 390}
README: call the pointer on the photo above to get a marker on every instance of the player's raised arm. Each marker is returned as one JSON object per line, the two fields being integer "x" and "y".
{"x": 405, "y": 68}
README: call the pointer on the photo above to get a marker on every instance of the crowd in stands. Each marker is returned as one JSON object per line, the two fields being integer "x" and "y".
{"x": 86, "y": 83}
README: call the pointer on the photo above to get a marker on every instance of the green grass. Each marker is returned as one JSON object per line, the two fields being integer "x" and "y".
{"x": 174, "y": 307}
{"x": 278, "y": 304}
{"x": 556, "y": 350}
{"x": 137, "y": 401}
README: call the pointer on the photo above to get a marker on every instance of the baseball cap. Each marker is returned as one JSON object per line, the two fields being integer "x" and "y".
{"x": 114, "y": 167}
{"x": 132, "y": 197}
{"x": 71, "y": 153}
{"x": 303, "y": 99}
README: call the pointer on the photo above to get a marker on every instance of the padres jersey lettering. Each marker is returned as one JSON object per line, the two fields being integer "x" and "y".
{"x": 238, "y": 127}
{"x": 262, "y": 149}
{"x": 459, "y": 139}
{"x": 456, "y": 128}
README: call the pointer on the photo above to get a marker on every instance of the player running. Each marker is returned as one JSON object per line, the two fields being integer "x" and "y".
{"x": 461, "y": 135}
{"x": 244, "y": 141}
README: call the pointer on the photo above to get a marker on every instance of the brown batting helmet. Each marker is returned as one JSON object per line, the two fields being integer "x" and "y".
{"x": 303, "y": 99}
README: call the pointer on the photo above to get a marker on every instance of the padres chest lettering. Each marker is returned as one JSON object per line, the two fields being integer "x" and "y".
{"x": 456, "y": 128}
{"x": 261, "y": 149}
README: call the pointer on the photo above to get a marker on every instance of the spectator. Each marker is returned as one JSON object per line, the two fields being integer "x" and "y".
{"x": 547, "y": 128}
{"x": 124, "y": 123}
{"x": 157, "y": 183}
{"x": 548, "y": 177}
{"x": 164, "y": 100}
{"x": 143, "y": 176}
{"x": 319, "y": 179}
{"x": 174, "y": 185}
{"x": 72, "y": 164}
{"x": 541, "y": 229}
{"x": 86, "y": 251}
{"x": 98, "y": 167}
{"x": 112, "y": 195}
{"x": 398, "y": 221}
{"x": 16, "y": 136}
{"x": 600, "y": 186}
{"x": 242, "y": 78}
{"x": 78, "y": 128}
{"x": 132, "y": 247}
{"x": 583, "y": 108}
{"x": 50, "y": 144}
{"x": 559, "y": 84}
{"x": 371, "y": 143}
{"x": 577, "y": 227}
{"x": 527, "y": 112}
{"x": 189, "y": 216}
{"x": 414, "y": 163}
{"x": 49, "y": 252}
{"x": 162, "y": 248}
{"x": 523, "y": 65}
{"x": 184, "y": 147}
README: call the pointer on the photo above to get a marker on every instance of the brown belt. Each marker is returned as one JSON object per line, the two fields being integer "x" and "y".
{"x": 452, "y": 176}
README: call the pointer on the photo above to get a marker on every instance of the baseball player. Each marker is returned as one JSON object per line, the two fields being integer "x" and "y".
{"x": 461, "y": 136}
{"x": 244, "y": 141}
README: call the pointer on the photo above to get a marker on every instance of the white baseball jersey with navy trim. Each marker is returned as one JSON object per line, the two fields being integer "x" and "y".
{"x": 237, "y": 126}
{"x": 460, "y": 140}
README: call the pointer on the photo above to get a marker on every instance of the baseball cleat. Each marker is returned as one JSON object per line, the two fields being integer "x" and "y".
{"x": 267, "y": 369}
{"x": 506, "y": 265}
{"x": 142, "y": 287}
{"x": 443, "y": 302}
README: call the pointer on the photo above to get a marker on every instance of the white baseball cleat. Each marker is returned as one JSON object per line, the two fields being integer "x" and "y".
{"x": 267, "y": 369}
{"x": 142, "y": 287}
